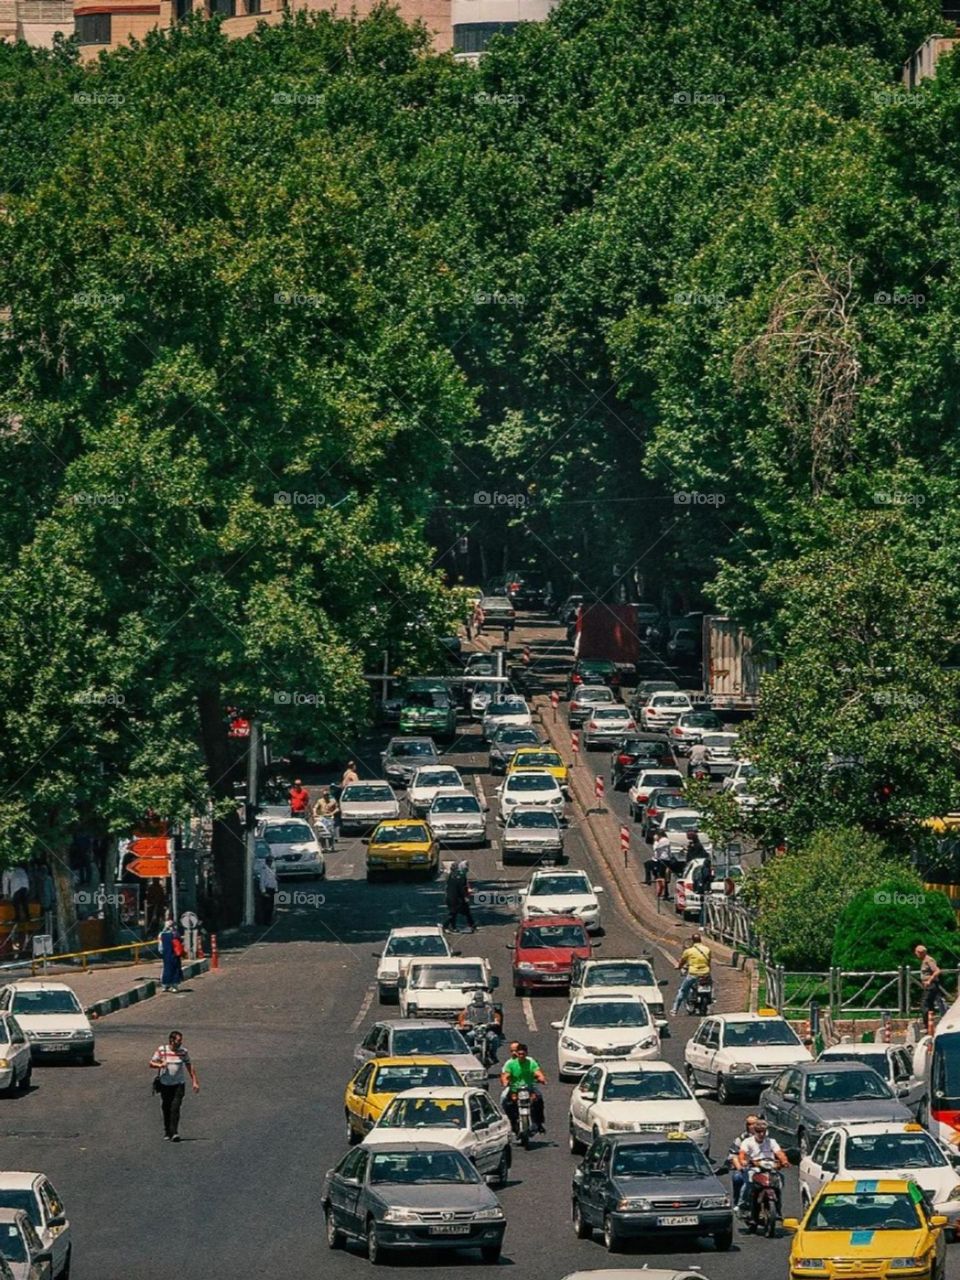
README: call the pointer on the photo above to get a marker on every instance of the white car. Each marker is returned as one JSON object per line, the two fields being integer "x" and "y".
{"x": 585, "y": 699}
{"x": 720, "y": 753}
{"x": 364, "y": 804}
{"x": 885, "y": 1149}
{"x": 675, "y": 824}
{"x": 635, "y": 1097}
{"x": 52, "y": 1019}
{"x": 561, "y": 893}
{"x": 742, "y": 771}
{"x": 647, "y": 781}
{"x": 529, "y": 790}
{"x": 34, "y": 1194}
{"x": 21, "y": 1247}
{"x": 605, "y": 726}
{"x": 15, "y": 1056}
{"x": 531, "y": 833}
{"x": 456, "y": 817}
{"x": 620, "y": 978}
{"x": 506, "y": 711}
{"x": 463, "y": 1118}
{"x": 294, "y": 848}
{"x": 426, "y": 784}
{"x": 894, "y": 1062}
{"x": 738, "y": 1054}
{"x": 442, "y": 988}
{"x": 402, "y": 946}
{"x": 745, "y": 799}
{"x": 481, "y": 695}
{"x": 664, "y": 710}
{"x": 604, "y": 1027}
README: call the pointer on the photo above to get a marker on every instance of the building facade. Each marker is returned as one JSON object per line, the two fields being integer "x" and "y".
{"x": 35, "y": 21}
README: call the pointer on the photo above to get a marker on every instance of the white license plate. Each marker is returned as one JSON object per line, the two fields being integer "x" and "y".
{"x": 552, "y": 977}
{"x": 55, "y": 1048}
{"x": 451, "y": 1230}
{"x": 679, "y": 1220}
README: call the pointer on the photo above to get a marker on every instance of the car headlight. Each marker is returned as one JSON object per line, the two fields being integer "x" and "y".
{"x": 742, "y": 1066}
{"x": 635, "y": 1205}
{"x": 573, "y": 1045}
{"x": 419, "y": 857}
{"x": 526, "y": 966}
{"x": 32, "y": 1035}
{"x": 81, "y": 1035}
{"x": 809, "y": 1264}
{"x": 905, "y": 1264}
{"x": 715, "y": 1202}
{"x": 493, "y": 1214}
{"x": 955, "y": 1193}
{"x": 649, "y": 1042}
{"x": 402, "y": 1215}
{"x": 4, "y": 1064}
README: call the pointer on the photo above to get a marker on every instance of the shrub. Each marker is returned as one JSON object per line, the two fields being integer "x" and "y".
{"x": 879, "y": 928}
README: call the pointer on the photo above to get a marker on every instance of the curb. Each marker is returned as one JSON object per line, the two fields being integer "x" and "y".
{"x": 144, "y": 990}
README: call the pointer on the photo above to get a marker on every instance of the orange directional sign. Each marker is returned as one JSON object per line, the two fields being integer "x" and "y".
{"x": 151, "y": 847}
{"x": 149, "y": 868}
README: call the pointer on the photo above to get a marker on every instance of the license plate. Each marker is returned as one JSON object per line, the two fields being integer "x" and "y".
{"x": 451, "y": 1229}
{"x": 54, "y": 1048}
{"x": 552, "y": 977}
{"x": 679, "y": 1220}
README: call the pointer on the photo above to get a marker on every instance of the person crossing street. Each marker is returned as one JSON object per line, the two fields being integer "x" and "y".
{"x": 173, "y": 1066}
{"x": 458, "y": 899}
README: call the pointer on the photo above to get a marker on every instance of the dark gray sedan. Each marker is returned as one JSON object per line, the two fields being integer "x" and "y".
{"x": 805, "y": 1100}
{"x": 411, "y": 1196}
{"x": 404, "y": 756}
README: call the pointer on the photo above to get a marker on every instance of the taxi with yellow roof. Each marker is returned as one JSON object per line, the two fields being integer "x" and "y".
{"x": 404, "y": 845}
{"x": 868, "y": 1227}
{"x": 539, "y": 760}
{"x": 379, "y": 1080}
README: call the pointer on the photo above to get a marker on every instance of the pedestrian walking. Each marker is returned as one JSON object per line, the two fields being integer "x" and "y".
{"x": 325, "y": 814}
{"x": 458, "y": 899}
{"x": 299, "y": 800}
{"x": 661, "y": 863}
{"x": 932, "y": 999}
{"x": 349, "y": 774}
{"x": 173, "y": 1066}
{"x": 171, "y": 949}
{"x": 268, "y": 890}
{"x": 16, "y": 887}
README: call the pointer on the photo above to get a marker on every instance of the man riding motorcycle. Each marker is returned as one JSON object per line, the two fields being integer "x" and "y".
{"x": 523, "y": 1070}
{"x": 753, "y": 1152}
{"x": 695, "y": 962}
{"x": 481, "y": 1016}
{"x": 739, "y": 1177}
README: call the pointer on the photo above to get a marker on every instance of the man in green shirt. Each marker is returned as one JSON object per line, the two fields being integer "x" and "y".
{"x": 523, "y": 1070}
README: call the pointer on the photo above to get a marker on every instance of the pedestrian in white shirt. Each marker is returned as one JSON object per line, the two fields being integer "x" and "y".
{"x": 172, "y": 1065}
{"x": 268, "y": 890}
{"x": 16, "y": 886}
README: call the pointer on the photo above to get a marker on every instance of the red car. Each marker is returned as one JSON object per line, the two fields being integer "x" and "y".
{"x": 544, "y": 951}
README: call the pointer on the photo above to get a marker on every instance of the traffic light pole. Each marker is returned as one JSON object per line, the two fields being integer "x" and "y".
{"x": 249, "y": 834}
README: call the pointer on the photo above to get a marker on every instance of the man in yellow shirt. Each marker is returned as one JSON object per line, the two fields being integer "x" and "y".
{"x": 695, "y": 960}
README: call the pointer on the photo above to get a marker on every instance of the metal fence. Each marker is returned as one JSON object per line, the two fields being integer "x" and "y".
{"x": 732, "y": 923}
{"x": 849, "y": 992}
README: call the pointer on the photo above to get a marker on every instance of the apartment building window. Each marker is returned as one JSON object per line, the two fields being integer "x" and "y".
{"x": 253, "y": 6}
{"x": 225, "y": 8}
{"x": 93, "y": 28}
{"x": 473, "y": 37}
{"x": 184, "y": 9}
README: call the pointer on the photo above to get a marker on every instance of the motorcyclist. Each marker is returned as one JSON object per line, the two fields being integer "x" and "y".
{"x": 753, "y": 1151}
{"x": 325, "y": 815}
{"x": 738, "y": 1176}
{"x": 695, "y": 961}
{"x": 480, "y": 1013}
{"x": 523, "y": 1070}
{"x": 698, "y": 759}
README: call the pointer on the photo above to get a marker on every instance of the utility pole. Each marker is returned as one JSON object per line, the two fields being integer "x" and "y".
{"x": 249, "y": 834}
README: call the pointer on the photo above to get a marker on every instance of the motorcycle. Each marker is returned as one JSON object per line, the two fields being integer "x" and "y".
{"x": 484, "y": 1040}
{"x": 524, "y": 1127}
{"x": 700, "y": 998}
{"x": 764, "y": 1199}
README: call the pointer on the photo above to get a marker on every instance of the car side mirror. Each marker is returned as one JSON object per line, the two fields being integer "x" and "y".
{"x": 721, "y": 1170}
{"x": 597, "y": 888}
{"x": 58, "y": 1221}
{"x": 557, "y": 1026}
{"x": 596, "y": 944}
{"x": 793, "y": 1224}
{"x": 511, "y": 946}
{"x": 938, "y": 1220}
{"x": 365, "y": 840}
{"x": 793, "y": 1155}
{"x": 377, "y": 955}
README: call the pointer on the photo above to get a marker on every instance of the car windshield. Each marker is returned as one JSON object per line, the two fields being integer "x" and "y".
{"x": 45, "y": 1002}
{"x": 288, "y": 833}
{"x": 426, "y": 698}
{"x": 22, "y": 1199}
{"x": 429, "y": 976}
{"x": 665, "y": 799}
{"x": 437, "y": 1075}
{"x": 507, "y": 707}
{"x": 366, "y": 792}
{"x": 423, "y": 944}
{"x": 486, "y": 689}
{"x": 595, "y": 695}
{"x": 869, "y": 1211}
{"x": 553, "y": 935}
{"x": 438, "y": 778}
{"x": 670, "y": 700}
{"x": 737, "y": 1035}
{"x": 875, "y": 1061}
{"x": 548, "y": 886}
{"x": 547, "y": 759}
{"x": 644, "y": 1086}
{"x": 533, "y": 818}
{"x": 719, "y": 741}
{"x": 425, "y": 1113}
{"x": 515, "y": 735}
{"x": 846, "y": 1086}
{"x": 412, "y": 749}
{"x": 700, "y": 720}
{"x": 436, "y": 1041}
{"x": 644, "y": 750}
{"x": 611, "y": 713}
{"x": 12, "y": 1246}
{"x": 600, "y": 667}
{"x": 634, "y": 974}
{"x": 682, "y": 824}
{"x": 532, "y": 782}
{"x": 660, "y": 1160}
{"x": 456, "y": 804}
{"x": 415, "y": 1168}
{"x": 608, "y": 1013}
{"x": 893, "y": 1151}
{"x": 651, "y": 780}
{"x": 388, "y": 833}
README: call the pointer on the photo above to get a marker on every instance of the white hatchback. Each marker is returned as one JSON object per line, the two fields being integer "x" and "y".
{"x": 428, "y": 783}
{"x": 561, "y": 893}
{"x": 466, "y": 1119}
{"x": 635, "y": 1097}
{"x": 664, "y": 710}
{"x": 604, "y": 1027}
{"x": 523, "y": 790}
{"x": 34, "y": 1193}
{"x": 403, "y": 945}
{"x": 647, "y": 781}
{"x": 52, "y": 1019}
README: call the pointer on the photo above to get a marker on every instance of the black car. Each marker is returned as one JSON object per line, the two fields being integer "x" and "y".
{"x": 404, "y": 756}
{"x": 526, "y": 590}
{"x": 649, "y": 1185}
{"x": 592, "y": 671}
{"x": 416, "y": 1195}
{"x": 639, "y": 752}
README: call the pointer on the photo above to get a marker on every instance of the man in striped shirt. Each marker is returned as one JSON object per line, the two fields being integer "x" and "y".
{"x": 172, "y": 1065}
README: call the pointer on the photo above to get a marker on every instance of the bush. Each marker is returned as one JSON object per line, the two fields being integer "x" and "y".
{"x": 801, "y": 895}
{"x": 879, "y": 928}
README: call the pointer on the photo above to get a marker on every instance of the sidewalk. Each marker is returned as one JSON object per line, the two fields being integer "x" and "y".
{"x": 103, "y": 990}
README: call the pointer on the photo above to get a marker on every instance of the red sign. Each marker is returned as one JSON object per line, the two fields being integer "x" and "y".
{"x": 155, "y": 847}
{"x": 239, "y": 728}
{"x": 149, "y": 868}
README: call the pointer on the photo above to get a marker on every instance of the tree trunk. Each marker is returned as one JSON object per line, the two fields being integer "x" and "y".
{"x": 67, "y": 937}
{"x": 227, "y": 839}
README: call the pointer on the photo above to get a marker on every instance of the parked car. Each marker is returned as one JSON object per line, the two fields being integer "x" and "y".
{"x": 466, "y": 1119}
{"x": 456, "y": 817}
{"x": 544, "y": 952}
{"x": 404, "y": 845}
{"x": 480, "y": 695}
{"x": 585, "y": 700}
{"x": 529, "y": 790}
{"x": 691, "y": 727}
{"x": 663, "y": 710}
{"x": 648, "y": 780}
{"x": 512, "y": 710}
{"x": 676, "y": 824}
{"x": 738, "y": 1054}
{"x": 407, "y": 1196}
{"x": 561, "y": 893}
{"x": 427, "y": 783}
{"x": 504, "y": 743}
{"x": 442, "y": 988}
{"x": 622, "y": 978}
{"x": 684, "y": 645}
{"x": 21, "y": 1247}
{"x": 590, "y": 672}
{"x": 632, "y": 1185}
{"x": 404, "y": 756}
{"x": 421, "y": 1038}
{"x": 526, "y": 589}
{"x": 52, "y": 1018}
{"x": 603, "y": 1027}
{"x": 606, "y": 725}
{"x": 294, "y": 847}
{"x": 805, "y": 1100}
{"x": 498, "y": 614}
{"x": 638, "y": 752}
{"x": 376, "y": 1082}
{"x": 402, "y": 946}
{"x": 743, "y": 771}
{"x": 531, "y": 834}
{"x": 660, "y": 801}
{"x": 687, "y": 901}
{"x": 720, "y": 753}
{"x": 34, "y": 1194}
{"x": 364, "y": 804}
{"x": 567, "y": 612}
{"x": 634, "y": 1096}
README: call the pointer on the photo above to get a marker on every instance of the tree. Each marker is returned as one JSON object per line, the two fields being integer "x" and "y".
{"x": 880, "y": 927}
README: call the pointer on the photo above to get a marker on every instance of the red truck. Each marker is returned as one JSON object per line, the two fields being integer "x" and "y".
{"x": 615, "y": 632}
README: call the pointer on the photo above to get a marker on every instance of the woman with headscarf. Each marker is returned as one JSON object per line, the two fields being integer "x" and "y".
{"x": 458, "y": 899}
{"x": 171, "y": 949}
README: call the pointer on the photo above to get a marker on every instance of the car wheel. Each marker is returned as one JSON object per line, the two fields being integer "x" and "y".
{"x": 490, "y": 1252}
{"x": 581, "y": 1228}
{"x": 376, "y": 1254}
{"x": 576, "y": 1146}
{"x": 89, "y": 1059}
{"x": 385, "y": 995}
{"x": 335, "y": 1237}
{"x": 611, "y": 1237}
{"x": 691, "y": 1076}
{"x": 723, "y": 1091}
{"x": 352, "y": 1135}
{"x": 723, "y": 1240}
{"x": 503, "y": 1168}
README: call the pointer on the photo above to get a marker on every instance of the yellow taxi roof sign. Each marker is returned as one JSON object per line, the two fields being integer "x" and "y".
{"x": 768, "y": 1013}
{"x": 678, "y": 1136}
{"x": 913, "y": 1128}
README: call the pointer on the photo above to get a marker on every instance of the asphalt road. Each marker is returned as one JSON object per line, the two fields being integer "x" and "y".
{"x": 272, "y": 1036}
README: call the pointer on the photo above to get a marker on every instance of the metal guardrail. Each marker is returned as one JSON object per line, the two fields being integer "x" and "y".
{"x": 843, "y": 991}
{"x": 732, "y": 923}
{"x": 41, "y": 962}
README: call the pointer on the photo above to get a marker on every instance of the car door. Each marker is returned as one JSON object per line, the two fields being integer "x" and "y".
{"x": 499, "y": 1125}
{"x": 695, "y": 1054}
{"x": 365, "y": 1049}
{"x": 820, "y": 1166}
{"x": 56, "y": 1228}
{"x": 583, "y": 1098}
{"x": 342, "y": 1189}
{"x": 711, "y": 1052}
{"x": 775, "y": 1104}
{"x": 354, "y": 1210}
{"x": 485, "y": 1154}
{"x": 791, "y": 1104}
{"x": 20, "y": 1047}
{"x": 591, "y": 1194}
{"x": 357, "y": 1091}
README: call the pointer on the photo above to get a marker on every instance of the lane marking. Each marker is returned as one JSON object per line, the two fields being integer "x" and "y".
{"x": 364, "y": 1007}
{"x": 527, "y": 1004}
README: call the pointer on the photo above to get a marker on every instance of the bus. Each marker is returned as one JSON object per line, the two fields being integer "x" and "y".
{"x": 936, "y": 1061}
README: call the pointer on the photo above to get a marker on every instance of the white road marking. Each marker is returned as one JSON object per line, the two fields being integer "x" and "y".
{"x": 527, "y": 1004}
{"x": 364, "y": 1007}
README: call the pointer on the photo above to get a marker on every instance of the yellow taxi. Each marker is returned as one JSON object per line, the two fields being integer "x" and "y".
{"x": 404, "y": 845}
{"x": 878, "y": 1227}
{"x": 381, "y": 1079}
{"x": 940, "y": 826}
{"x": 539, "y": 760}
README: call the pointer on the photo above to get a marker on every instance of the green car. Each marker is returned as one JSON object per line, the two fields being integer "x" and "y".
{"x": 429, "y": 711}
